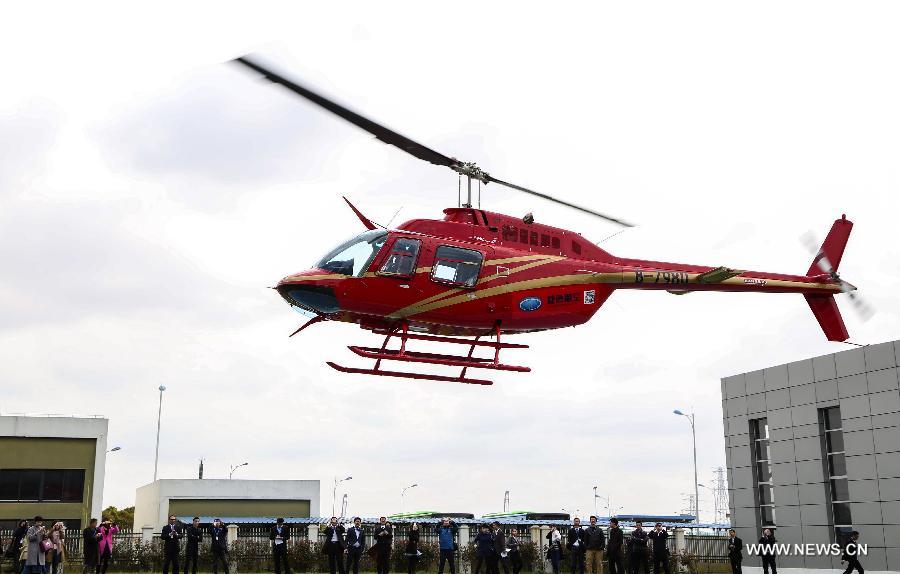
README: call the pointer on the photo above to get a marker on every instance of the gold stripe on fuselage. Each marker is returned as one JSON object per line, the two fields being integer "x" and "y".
{"x": 544, "y": 259}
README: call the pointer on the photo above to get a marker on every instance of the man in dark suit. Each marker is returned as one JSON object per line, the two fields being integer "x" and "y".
{"x": 218, "y": 542}
{"x": 334, "y": 546}
{"x": 576, "y": 544}
{"x": 498, "y": 550}
{"x": 637, "y": 549}
{"x": 356, "y": 543}
{"x": 614, "y": 547}
{"x": 279, "y": 535}
{"x": 851, "y": 554}
{"x": 90, "y": 547}
{"x": 735, "y": 551}
{"x": 767, "y": 551}
{"x": 384, "y": 535}
{"x": 171, "y": 535}
{"x": 659, "y": 540}
{"x": 192, "y": 551}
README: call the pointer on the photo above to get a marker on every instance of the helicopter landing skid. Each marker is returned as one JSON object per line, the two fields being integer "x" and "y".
{"x": 466, "y": 362}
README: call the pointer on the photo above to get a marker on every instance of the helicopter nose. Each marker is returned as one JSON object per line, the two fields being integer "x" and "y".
{"x": 317, "y": 298}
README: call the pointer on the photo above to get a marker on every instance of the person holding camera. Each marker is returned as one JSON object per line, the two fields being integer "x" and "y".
{"x": 334, "y": 546}
{"x": 38, "y": 544}
{"x": 660, "y": 544}
{"x": 447, "y": 531}
{"x": 105, "y": 541}
{"x": 218, "y": 541}
{"x": 384, "y": 538}
{"x": 90, "y": 548}
{"x": 279, "y": 535}
{"x": 171, "y": 536}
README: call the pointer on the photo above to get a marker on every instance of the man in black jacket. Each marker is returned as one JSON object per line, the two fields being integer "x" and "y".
{"x": 171, "y": 535}
{"x": 637, "y": 549}
{"x": 595, "y": 543}
{"x": 498, "y": 549}
{"x": 218, "y": 542}
{"x": 334, "y": 546}
{"x": 851, "y": 554}
{"x": 384, "y": 536}
{"x": 735, "y": 551}
{"x": 192, "y": 552}
{"x": 614, "y": 547}
{"x": 660, "y": 545}
{"x": 279, "y": 535}
{"x": 575, "y": 543}
{"x": 356, "y": 543}
{"x": 767, "y": 551}
{"x": 90, "y": 538}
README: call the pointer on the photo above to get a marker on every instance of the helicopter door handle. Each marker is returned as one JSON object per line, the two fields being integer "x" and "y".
{"x": 404, "y": 286}
{"x": 502, "y": 271}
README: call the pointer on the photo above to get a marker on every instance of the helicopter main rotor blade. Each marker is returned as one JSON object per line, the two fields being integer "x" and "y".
{"x": 489, "y": 178}
{"x": 386, "y": 135}
{"x": 411, "y": 147}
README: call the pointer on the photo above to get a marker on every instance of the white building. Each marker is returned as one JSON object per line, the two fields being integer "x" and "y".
{"x": 154, "y": 502}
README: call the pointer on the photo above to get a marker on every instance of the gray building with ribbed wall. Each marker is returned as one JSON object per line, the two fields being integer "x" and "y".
{"x": 813, "y": 450}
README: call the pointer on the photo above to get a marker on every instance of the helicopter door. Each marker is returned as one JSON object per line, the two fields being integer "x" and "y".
{"x": 398, "y": 286}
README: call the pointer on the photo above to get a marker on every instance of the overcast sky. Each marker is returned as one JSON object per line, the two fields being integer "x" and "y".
{"x": 150, "y": 194}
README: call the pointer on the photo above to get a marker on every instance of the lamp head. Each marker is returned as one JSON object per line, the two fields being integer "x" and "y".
{"x": 162, "y": 388}
{"x": 678, "y": 412}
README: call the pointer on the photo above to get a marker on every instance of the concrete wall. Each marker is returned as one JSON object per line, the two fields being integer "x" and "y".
{"x": 152, "y": 500}
{"x": 864, "y": 383}
{"x": 54, "y": 448}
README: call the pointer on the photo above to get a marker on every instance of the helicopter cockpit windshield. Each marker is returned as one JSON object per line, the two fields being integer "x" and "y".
{"x": 353, "y": 257}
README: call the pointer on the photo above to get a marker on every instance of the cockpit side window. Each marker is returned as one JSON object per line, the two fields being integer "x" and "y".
{"x": 353, "y": 257}
{"x": 401, "y": 262}
{"x": 456, "y": 266}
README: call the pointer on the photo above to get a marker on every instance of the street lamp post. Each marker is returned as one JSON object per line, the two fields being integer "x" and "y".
{"x": 158, "y": 426}
{"x": 403, "y": 493}
{"x": 690, "y": 418}
{"x": 334, "y": 492}
{"x": 234, "y": 467}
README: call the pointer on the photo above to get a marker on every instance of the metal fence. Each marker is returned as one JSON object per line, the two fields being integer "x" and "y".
{"x": 253, "y": 545}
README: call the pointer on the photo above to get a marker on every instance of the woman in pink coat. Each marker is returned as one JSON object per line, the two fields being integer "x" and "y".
{"x": 107, "y": 530}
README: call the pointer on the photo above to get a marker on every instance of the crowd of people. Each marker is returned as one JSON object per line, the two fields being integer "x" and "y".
{"x": 42, "y": 551}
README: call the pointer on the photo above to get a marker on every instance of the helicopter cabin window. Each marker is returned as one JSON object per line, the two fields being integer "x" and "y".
{"x": 353, "y": 257}
{"x": 510, "y": 233}
{"x": 576, "y": 247}
{"x": 402, "y": 260}
{"x": 523, "y": 236}
{"x": 534, "y": 238}
{"x": 457, "y": 266}
{"x": 555, "y": 242}
{"x": 545, "y": 240}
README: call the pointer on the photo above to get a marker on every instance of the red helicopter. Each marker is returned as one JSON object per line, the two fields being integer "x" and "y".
{"x": 475, "y": 275}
